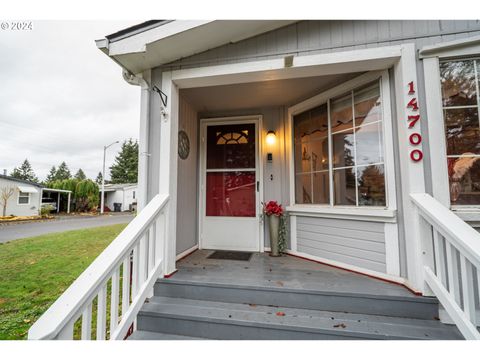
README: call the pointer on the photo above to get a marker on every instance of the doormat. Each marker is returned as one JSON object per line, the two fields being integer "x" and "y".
{"x": 231, "y": 255}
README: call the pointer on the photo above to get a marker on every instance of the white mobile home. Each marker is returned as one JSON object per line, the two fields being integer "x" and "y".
{"x": 125, "y": 195}
{"x": 25, "y": 197}
{"x": 375, "y": 141}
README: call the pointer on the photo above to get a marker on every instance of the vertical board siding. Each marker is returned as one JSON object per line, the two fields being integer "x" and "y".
{"x": 186, "y": 181}
{"x": 357, "y": 243}
{"x": 317, "y": 36}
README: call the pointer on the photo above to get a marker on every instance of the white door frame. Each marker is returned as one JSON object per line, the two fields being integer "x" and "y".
{"x": 253, "y": 119}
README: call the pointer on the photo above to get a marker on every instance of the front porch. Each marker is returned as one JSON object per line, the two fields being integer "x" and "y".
{"x": 282, "y": 298}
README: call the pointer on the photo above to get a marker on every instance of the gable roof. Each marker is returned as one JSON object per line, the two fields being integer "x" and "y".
{"x": 21, "y": 181}
{"x": 158, "y": 42}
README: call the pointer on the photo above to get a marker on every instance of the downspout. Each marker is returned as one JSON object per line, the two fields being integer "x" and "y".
{"x": 143, "y": 154}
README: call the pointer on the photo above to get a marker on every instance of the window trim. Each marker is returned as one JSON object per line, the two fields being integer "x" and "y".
{"x": 468, "y": 48}
{"x": 389, "y": 161}
{"x": 18, "y": 199}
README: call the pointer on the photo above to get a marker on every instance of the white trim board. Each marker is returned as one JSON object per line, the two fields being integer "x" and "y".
{"x": 186, "y": 252}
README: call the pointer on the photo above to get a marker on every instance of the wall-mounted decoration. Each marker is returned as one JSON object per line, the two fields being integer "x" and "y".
{"x": 183, "y": 145}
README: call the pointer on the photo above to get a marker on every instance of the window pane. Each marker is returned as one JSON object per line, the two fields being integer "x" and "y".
{"x": 343, "y": 152}
{"x": 344, "y": 187}
{"x": 230, "y": 194}
{"x": 321, "y": 191}
{"x": 231, "y": 146}
{"x": 462, "y": 131}
{"x": 341, "y": 113}
{"x": 303, "y": 158}
{"x": 303, "y": 189}
{"x": 368, "y": 105}
{"x": 23, "y": 199}
{"x": 318, "y": 127}
{"x": 319, "y": 154}
{"x": 371, "y": 185}
{"x": 464, "y": 179}
{"x": 369, "y": 144}
{"x": 458, "y": 83}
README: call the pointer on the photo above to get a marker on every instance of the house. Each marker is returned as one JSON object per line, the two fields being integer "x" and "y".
{"x": 373, "y": 149}
{"x": 25, "y": 198}
{"x": 123, "y": 194}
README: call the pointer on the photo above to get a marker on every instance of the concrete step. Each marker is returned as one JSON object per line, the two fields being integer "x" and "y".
{"x": 410, "y": 306}
{"x": 149, "y": 335}
{"x": 222, "y": 320}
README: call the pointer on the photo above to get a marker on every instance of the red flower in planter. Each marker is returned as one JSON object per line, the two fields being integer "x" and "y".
{"x": 273, "y": 208}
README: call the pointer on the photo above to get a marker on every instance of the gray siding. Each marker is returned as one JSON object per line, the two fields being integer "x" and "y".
{"x": 317, "y": 36}
{"x": 351, "y": 242}
{"x": 187, "y": 193}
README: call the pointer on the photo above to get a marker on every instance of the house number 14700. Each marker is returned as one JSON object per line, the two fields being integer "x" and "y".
{"x": 415, "y": 138}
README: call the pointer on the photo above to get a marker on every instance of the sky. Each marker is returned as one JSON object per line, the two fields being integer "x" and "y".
{"x": 62, "y": 99}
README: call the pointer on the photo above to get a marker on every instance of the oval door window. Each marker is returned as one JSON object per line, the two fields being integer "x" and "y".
{"x": 183, "y": 145}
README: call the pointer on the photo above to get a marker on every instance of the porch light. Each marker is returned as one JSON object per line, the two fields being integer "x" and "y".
{"x": 271, "y": 137}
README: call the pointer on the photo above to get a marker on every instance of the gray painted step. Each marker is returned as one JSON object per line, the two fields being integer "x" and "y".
{"x": 219, "y": 320}
{"x": 149, "y": 335}
{"x": 418, "y": 307}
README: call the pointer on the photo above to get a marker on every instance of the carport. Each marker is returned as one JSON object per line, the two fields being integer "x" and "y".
{"x": 59, "y": 192}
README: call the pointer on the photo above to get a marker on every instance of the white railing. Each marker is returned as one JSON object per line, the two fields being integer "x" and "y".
{"x": 451, "y": 251}
{"x": 108, "y": 295}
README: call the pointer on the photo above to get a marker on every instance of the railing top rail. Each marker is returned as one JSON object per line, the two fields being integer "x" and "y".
{"x": 69, "y": 304}
{"x": 463, "y": 236}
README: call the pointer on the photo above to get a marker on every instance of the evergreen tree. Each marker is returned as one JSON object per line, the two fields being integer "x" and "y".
{"x": 63, "y": 172}
{"x": 125, "y": 167}
{"x": 24, "y": 172}
{"x": 99, "y": 178}
{"x": 80, "y": 175}
{"x": 51, "y": 175}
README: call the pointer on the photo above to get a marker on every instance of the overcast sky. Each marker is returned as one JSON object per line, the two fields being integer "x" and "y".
{"x": 62, "y": 99}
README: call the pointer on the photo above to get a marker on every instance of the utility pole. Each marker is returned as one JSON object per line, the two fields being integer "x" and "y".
{"x": 102, "y": 200}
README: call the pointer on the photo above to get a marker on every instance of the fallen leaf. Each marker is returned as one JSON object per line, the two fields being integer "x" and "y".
{"x": 252, "y": 305}
{"x": 26, "y": 321}
{"x": 279, "y": 283}
{"x": 280, "y": 313}
{"x": 342, "y": 325}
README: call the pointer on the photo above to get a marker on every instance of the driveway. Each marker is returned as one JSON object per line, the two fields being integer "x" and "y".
{"x": 22, "y": 230}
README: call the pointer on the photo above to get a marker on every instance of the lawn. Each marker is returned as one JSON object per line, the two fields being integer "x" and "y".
{"x": 35, "y": 271}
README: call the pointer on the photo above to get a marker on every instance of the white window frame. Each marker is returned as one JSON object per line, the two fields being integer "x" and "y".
{"x": 387, "y": 211}
{"x": 19, "y": 196}
{"x": 467, "y": 48}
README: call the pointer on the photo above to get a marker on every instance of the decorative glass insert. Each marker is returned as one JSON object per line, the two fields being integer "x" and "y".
{"x": 350, "y": 137}
{"x": 461, "y": 107}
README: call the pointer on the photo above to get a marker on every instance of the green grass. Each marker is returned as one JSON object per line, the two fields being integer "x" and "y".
{"x": 35, "y": 271}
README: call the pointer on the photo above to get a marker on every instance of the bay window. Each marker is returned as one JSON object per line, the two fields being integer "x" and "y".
{"x": 339, "y": 151}
{"x": 460, "y": 101}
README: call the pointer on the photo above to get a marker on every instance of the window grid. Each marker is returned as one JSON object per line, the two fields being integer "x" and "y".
{"x": 355, "y": 167}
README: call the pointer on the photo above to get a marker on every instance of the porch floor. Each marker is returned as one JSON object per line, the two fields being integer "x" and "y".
{"x": 286, "y": 272}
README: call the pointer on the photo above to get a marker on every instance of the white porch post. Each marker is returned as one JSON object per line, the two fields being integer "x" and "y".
{"x": 68, "y": 202}
{"x": 58, "y": 202}
{"x": 412, "y": 173}
{"x": 168, "y": 167}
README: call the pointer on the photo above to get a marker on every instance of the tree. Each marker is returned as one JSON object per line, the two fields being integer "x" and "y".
{"x": 51, "y": 175}
{"x": 63, "y": 172}
{"x": 80, "y": 175}
{"x": 87, "y": 195}
{"x": 125, "y": 167}
{"x": 5, "y": 194}
{"x": 24, "y": 172}
{"x": 99, "y": 178}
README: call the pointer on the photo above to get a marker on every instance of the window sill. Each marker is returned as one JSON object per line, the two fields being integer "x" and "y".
{"x": 376, "y": 214}
{"x": 468, "y": 214}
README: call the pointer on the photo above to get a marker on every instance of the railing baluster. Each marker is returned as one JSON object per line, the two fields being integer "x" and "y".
{"x": 126, "y": 285}
{"x": 439, "y": 257}
{"x": 114, "y": 300}
{"x": 67, "y": 332}
{"x": 151, "y": 248}
{"x": 87, "y": 323}
{"x": 135, "y": 270}
{"x": 453, "y": 275}
{"x": 467, "y": 289}
{"x": 102, "y": 313}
